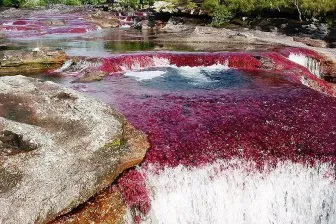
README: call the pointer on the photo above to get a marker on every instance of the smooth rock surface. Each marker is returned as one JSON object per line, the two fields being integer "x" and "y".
{"x": 57, "y": 149}
{"x": 14, "y": 62}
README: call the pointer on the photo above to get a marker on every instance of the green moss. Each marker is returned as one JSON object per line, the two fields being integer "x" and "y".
{"x": 115, "y": 143}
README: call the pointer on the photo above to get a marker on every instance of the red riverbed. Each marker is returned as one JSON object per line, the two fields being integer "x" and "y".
{"x": 40, "y": 25}
{"x": 268, "y": 117}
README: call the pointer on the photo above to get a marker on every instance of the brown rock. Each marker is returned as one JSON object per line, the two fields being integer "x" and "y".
{"x": 91, "y": 75}
{"x": 311, "y": 42}
{"x": 58, "y": 148}
{"x": 103, "y": 19}
{"x": 107, "y": 207}
{"x": 55, "y": 22}
{"x": 22, "y": 61}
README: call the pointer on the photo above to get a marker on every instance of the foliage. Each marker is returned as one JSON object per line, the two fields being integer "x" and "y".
{"x": 220, "y": 16}
{"x": 163, "y": 6}
{"x": 90, "y": 2}
{"x": 128, "y": 4}
{"x": 210, "y": 5}
{"x": 222, "y": 10}
{"x": 11, "y": 3}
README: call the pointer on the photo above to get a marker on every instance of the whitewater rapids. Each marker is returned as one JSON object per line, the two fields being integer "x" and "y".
{"x": 235, "y": 193}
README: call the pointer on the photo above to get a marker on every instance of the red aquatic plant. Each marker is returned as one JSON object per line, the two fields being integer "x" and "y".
{"x": 133, "y": 189}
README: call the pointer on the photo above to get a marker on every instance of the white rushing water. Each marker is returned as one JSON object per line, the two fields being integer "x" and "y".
{"x": 311, "y": 64}
{"x": 145, "y": 75}
{"x": 155, "y": 62}
{"x": 197, "y": 74}
{"x": 230, "y": 194}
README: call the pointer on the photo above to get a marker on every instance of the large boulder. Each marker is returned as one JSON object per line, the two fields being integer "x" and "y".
{"x": 57, "y": 149}
{"x": 30, "y": 61}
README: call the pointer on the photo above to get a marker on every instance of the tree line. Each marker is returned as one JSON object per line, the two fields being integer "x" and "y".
{"x": 220, "y": 10}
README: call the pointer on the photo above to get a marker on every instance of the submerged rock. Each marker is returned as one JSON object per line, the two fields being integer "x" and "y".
{"x": 14, "y": 62}
{"x": 58, "y": 148}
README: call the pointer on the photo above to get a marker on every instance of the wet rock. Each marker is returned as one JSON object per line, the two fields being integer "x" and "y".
{"x": 91, "y": 75}
{"x": 58, "y": 148}
{"x": 146, "y": 24}
{"x": 175, "y": 24}
{"x": 108, "y": 207}
{"x": 315, "y": 30}
{"x": 55, "y": 22}
{"x": 311, "y": 42}
{"x": 37, "y": 60}
{"x": 104, "y": 19}
{"x": 332, "y": 36}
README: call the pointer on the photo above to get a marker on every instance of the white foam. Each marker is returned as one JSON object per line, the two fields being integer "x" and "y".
{"x": 152, "y": 62}
{"x": 145, "y": 75}
{"x": 311, "y": 64}
{"x": 196, "y": 74}
{"x": 65, "y": 66}
{"x": 224, "y": 193}
{"x": 161, "y": 62}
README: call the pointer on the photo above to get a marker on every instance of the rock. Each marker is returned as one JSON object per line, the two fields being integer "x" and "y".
{"x": 176, "y": 28}
{"x": 284, "y": 25}
{"x": 245, "y": 35}
{"x": 274, "y": 29}
{"x": 311, "y": 42}
{"x": 108, "y": 207}
{"x": 316, "y": 30}
{"x": 137, "y": 25}
{"x": 147, "y": 24}
{"x": 310, "y": 27}
{"x": 332, "y": 36}
{"x": 58, "y": 148}
{"x": 53, "y": 22}
{"x": 91, "y": 75}
{"x": 176, "y": 24}
{"x": 104, "y": 19}
{"x": 34, "y": 61}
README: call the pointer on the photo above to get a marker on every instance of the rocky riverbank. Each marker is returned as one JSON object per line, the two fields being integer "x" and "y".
{"x": 58, "y": 148}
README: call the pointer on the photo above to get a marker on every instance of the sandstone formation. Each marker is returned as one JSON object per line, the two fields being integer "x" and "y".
{"x": 58, "y": 148}
{"x": 34, "y": 61}
{"x": 108, "y": 207}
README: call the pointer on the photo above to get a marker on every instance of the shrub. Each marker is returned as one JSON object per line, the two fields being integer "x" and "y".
{"x": 163, "y": 6}
{"x": 210, "y": 5}
{"x": 221, "y": 15}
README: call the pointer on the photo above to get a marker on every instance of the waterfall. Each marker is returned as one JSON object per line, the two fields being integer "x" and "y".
{"x": 310, "y": 63}
{"x": 65, "y": 66}
{"x": 234, "y": 193}
{"x": 198, "y": 74}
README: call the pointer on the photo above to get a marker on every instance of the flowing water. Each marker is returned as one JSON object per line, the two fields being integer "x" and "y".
{"x": 227, "y": 145}
{"x": 232, "y": 141}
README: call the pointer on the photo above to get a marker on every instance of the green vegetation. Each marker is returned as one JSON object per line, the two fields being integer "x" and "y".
{"x": 35, "y": 3}
{"x": 221, "y": 10}
{"x": 220, "y": 15}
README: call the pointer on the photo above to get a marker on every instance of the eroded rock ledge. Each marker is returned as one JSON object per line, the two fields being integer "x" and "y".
{"x": 57, "y": 149}
{"x": 15, "y": 62}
